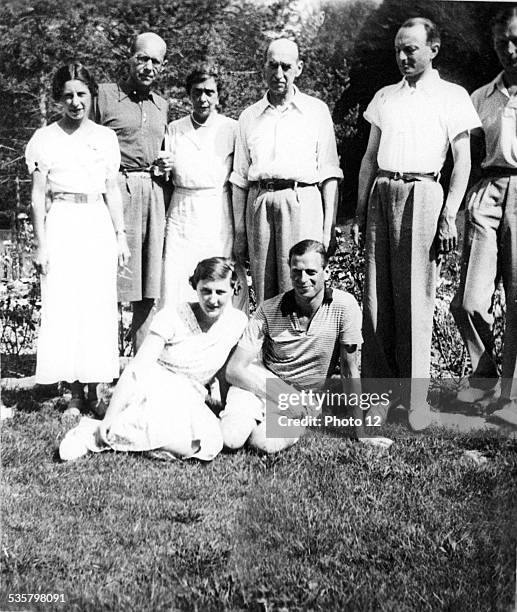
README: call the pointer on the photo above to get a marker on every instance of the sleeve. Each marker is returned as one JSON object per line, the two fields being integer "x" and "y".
{"x": 241, "y": 158}
{"x": 350, "y": 329}
{"x": 326, "y": 155}
{"x": 372, "y": 112}
{"x": 112, "y": 154}
{"x": 165, "y": 323}
{"x": 36, "y": 154}
{"x": 461, "y": 114}
{"x": 254, "y": 333}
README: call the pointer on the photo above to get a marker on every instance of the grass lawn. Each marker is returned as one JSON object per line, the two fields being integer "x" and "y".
{"x": 327, "y": 525}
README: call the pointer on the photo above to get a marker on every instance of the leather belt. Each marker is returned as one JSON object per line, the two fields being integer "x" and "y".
{"x": 130, "y": 170}
{"x": 78, "y": 198}
{"x": 499, "y": 171}
{"x": 276, "y": 184}
{"x": 410, "y": 176}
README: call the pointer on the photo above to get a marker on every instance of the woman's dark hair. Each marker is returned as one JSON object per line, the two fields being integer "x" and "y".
{"x": 214, "y": 269}
{"x": 74, "y": 71}
{"x": 201, "y": 73}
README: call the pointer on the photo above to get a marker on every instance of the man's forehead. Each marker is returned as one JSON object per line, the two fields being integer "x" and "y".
{"x": 412, "y": 34}
{"x": 282, "y": 51}
{"x": 151, "y": 47}
{"x": 311, "y": 260}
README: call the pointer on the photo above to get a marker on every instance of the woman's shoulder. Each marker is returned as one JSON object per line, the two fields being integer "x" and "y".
{"x": 180, "y": 124}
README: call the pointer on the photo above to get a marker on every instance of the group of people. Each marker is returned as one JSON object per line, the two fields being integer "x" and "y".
{"x": 264, "y": 190}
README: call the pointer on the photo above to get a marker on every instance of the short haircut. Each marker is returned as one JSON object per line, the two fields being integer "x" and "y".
{"x": 432, "y": 33}
{"x": 74, "y": 71}
{"x": 214, "y": 269}
{"x": 200, "y": 73}
{"x": 504, "y": 16}
{"x": 309, "y": 246}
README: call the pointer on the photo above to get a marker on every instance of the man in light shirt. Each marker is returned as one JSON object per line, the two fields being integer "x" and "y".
{"x": 402, "y": 213}
{"x": 490, "y": 245}
{"x": 286, "y": 171}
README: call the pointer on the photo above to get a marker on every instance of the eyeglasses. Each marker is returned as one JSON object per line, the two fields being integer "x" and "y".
{"x": 142, "y": 60}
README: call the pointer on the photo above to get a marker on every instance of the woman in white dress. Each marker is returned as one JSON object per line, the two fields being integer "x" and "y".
{"x": 200, "y": 221}
{"x": 79, "y": 230}
{"x": 159, "y": 401}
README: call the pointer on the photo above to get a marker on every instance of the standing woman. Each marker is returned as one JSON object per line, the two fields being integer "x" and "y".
{"x": 79, "y": 228}
{"x": 200, "y": 221}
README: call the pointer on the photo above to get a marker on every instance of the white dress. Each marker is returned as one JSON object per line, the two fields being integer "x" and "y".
{"x": 78, "y": 337}
{"x": 199, "y": 222}
{"x": 166, "y": 406}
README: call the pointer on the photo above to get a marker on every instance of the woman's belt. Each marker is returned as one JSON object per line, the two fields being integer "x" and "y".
{"x": 78, "y": 198}
{"x": 410, "y": 176}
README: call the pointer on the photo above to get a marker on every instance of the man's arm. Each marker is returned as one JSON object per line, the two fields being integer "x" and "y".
{"x": 367, "y": 173}
{"x": 447, "y": 234}
{"x": 240, "y": 240}
{"x": 329, "y": 196}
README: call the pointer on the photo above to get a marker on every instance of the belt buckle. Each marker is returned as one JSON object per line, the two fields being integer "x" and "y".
{"x": 269, "y": 185}
{"x": 81, "y": 198}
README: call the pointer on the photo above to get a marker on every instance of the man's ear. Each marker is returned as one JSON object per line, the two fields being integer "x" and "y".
{"x": 435, "y": 47}
{"x": 327, "y": 273}
{"x": 299, "y": 68}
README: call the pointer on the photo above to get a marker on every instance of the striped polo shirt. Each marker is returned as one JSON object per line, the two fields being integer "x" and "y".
{"x": 303, "y": 358}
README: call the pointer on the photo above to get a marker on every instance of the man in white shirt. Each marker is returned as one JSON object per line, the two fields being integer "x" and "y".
{"x": 402, "y": 213}
{"x": 286, "y": 172}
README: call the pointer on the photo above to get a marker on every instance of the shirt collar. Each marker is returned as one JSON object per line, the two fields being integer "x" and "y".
{"x": 497, "y": 84}
{"x": 427, "y": 83}
{"x": 297, "y": 101}
{"x": 126, "y": 91}
{"x": 288, "y": 302}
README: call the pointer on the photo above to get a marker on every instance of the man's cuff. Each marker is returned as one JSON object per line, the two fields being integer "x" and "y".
{"x": 238, "y": 180}
{"x": 329, "y": 172}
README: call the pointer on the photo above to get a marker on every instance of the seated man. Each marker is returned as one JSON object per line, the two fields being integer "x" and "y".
{"x": 301, "y": 333}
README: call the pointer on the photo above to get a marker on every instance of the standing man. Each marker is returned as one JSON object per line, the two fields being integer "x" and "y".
{"x": 139, "y": 118}
{"x": 286, "y": 171}
{"x": 491, "y": 230}
{"x": 300, "y": 335}
{"x": 406, "y": 221}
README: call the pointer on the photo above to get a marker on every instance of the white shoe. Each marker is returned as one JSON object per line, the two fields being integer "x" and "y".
{"x": 507, "y": 413}
{"x": 6, "y": 412}
{"x": 420, "y": 418}
{"x": 469, "y": 394}
{"x": 79, "y": 440}
{"x": 379, "y": 443}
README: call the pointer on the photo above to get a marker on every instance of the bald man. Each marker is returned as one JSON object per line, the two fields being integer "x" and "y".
{"x": 139, "y": 118}
{"x": 285, "y": 174}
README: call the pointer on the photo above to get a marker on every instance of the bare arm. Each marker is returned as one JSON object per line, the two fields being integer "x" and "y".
{"x": 367, "y": 173}
{"x": 39, "y": 185}
{"x": 447, "y": 234}
{"x": 329, "y": 195}
{"x": 113, "y": 201}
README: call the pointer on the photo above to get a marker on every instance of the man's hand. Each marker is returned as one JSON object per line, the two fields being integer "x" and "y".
{"x": 164, "y": 161}
{"x": 447, "y": 234}
{"x": 357, "y": 231}
{"x": 41, "y": 260}
{"x": 123, "y": 250}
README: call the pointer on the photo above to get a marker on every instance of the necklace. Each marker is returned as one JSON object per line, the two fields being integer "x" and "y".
{"x": 197, "y": 122}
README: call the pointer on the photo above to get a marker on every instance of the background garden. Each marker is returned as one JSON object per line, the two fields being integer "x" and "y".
{"x": 327, "y": 525}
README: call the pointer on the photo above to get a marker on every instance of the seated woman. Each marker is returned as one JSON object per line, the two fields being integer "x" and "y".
{"x": 159, "y": 401}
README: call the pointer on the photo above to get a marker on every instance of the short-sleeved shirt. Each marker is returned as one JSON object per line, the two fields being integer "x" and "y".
{"x": 498, "y": 113}
{"x": 304, "y": 358}
{"x": 139, "y": 121}
{"x": 190, "y": 351}
{"x": 418, "y": 123}
{"x": 295, "y": 142}
{"x": 79, "y": 162}
{"x": 203, "y": 157}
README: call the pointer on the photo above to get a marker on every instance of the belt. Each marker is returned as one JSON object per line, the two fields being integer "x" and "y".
{"x": 499, "y": 171}
{"x": 276, "y": 184}
{"x": 410, "y": 176}
{"x": 143, "y": 169}
{"x": 78, "y": 198}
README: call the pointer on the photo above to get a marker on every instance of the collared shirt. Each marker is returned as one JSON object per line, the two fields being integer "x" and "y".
{"x": 418, "y": 123}
{"x": 303, "y": 357}
{"x": 140, "y": 122}
{"x": 498, "y": 113}
{"x": 294, "y": 142}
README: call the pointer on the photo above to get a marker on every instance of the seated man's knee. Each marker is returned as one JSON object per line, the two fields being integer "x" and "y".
{"x": 239, "y": 417}
{"x": 236, "y": 430}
